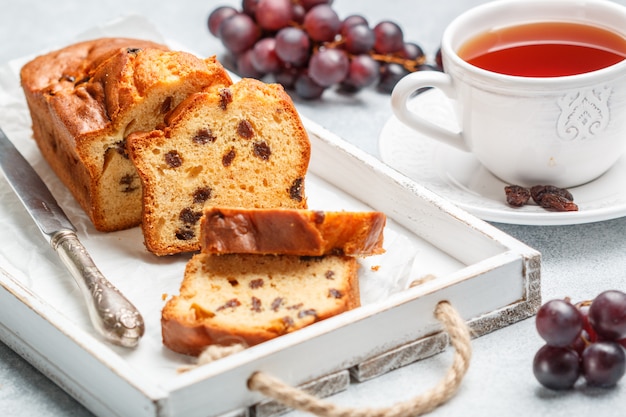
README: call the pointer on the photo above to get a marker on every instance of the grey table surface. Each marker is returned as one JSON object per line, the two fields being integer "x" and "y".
{"x": 577, "y": 260}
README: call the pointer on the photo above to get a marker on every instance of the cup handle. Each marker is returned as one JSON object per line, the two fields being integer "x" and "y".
{"x": 403, "y": 91}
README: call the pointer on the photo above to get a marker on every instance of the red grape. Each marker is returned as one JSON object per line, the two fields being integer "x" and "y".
{"x": 287, "y": 76}
{"x": 307, "y": 88}
{"x": 389, "y": 37}
{"x": 588, "y": 329}
{"x": 412, "y": 51}
{"x": 292, "y": 46}
{"x": 559, "y": 323}
{"x": 249, "y": 7}
{"x": 352, "y": 20}
{"x": 264, "y": 57}
{"x": 217, "y": 16}
{"x": 556, "y": 368}
{"x": 245, "y": 67}
{"x": 603, "y": 363}
{"x": 273, "y": 14}
{"x": 390, "y": 74}
{"x": 298, "y": 13}
{"x": 438, "y": 58}
{"x": 322, "y": 23}
{"x": 607, "y": 314}
{"x": 359, "y": 39}
{"x": 580, "y": 343}
{"x": 239, "y": 33}
{"x": 329, "y": 66}
{"x": 363, "y": 72}
{"x": 309, "y": 4}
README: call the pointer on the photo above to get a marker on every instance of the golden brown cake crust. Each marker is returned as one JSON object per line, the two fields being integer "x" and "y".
{"x": 73, "y": 80}
{"x": 76, "y": 60}
{"x": 249, "y": 299}
{"x": 85, "y": 99}
{"x": 291, "y": 232}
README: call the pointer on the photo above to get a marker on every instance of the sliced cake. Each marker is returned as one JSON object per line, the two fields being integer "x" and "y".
{"x": 249, "y": 299}
{"x": 238, "y": 146}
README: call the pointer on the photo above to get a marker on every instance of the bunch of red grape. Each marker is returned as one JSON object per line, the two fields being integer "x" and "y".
{"x": 586, "y": 339}
{"x": 307, "y": 48}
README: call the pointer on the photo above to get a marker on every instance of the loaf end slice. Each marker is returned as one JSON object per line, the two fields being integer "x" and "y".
{"x": 292, "y": 232}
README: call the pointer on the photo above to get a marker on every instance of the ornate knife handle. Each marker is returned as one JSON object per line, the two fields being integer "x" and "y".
{"x": 113, "y": 316}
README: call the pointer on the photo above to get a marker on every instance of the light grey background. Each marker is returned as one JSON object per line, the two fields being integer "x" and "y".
{"x": 578, "y": 261}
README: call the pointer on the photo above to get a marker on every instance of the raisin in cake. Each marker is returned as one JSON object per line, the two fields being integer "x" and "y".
{"x": 249, "y": 299}
{"x": 85, "y": 100}
{"x": 291, "y": 232}
{"x": 237, "y": 146}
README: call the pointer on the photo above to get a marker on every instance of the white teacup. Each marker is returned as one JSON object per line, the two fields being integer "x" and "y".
{"x": 557, "y": 130}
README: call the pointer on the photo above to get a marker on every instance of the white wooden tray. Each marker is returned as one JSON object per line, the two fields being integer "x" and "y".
{"x": 491, "y": 279}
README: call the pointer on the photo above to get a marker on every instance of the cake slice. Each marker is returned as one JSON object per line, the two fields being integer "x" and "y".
{"x": 86, "y": 98}
{"x": 291, "y": 232}
{"x": 237, "y": 146}
{"x": 249, "y": 299}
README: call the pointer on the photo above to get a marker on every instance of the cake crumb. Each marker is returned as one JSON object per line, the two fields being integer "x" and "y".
{"x": 422, "y": 280}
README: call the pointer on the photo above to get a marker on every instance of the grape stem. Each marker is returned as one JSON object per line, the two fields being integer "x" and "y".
{"x": 409, "y": 64}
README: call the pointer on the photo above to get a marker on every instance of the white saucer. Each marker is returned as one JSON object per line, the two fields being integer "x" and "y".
{"x": 458, "y": 176}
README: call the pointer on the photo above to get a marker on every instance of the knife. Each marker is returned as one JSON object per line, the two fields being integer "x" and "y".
{"x": 112, "y": 315}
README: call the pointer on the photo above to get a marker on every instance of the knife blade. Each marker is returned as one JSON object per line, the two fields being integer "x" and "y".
{"x": 113, "y": 315}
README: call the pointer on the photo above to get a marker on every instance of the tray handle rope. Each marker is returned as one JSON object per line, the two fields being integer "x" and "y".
{"x": 459, "y": 335}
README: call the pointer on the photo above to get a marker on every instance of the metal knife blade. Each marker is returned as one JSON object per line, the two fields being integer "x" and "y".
{"x": 113, "y": 316}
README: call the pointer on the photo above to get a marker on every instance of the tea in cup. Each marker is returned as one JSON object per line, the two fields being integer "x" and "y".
{"x": 538, "y": 88}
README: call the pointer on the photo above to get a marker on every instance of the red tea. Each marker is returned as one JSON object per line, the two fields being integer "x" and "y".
{"x": 545, "y": 49}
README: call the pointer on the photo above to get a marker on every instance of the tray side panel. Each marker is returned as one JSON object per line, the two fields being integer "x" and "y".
{"x": 526, "y": 308}
{"x": 53, "y": 352}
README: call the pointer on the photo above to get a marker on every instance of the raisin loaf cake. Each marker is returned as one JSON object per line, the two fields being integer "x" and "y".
{"x": 85, "y": 99}
{"x": 237, "y": 146}
{"x": 248, "y": 299}
{"x": 291, "y": 232}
